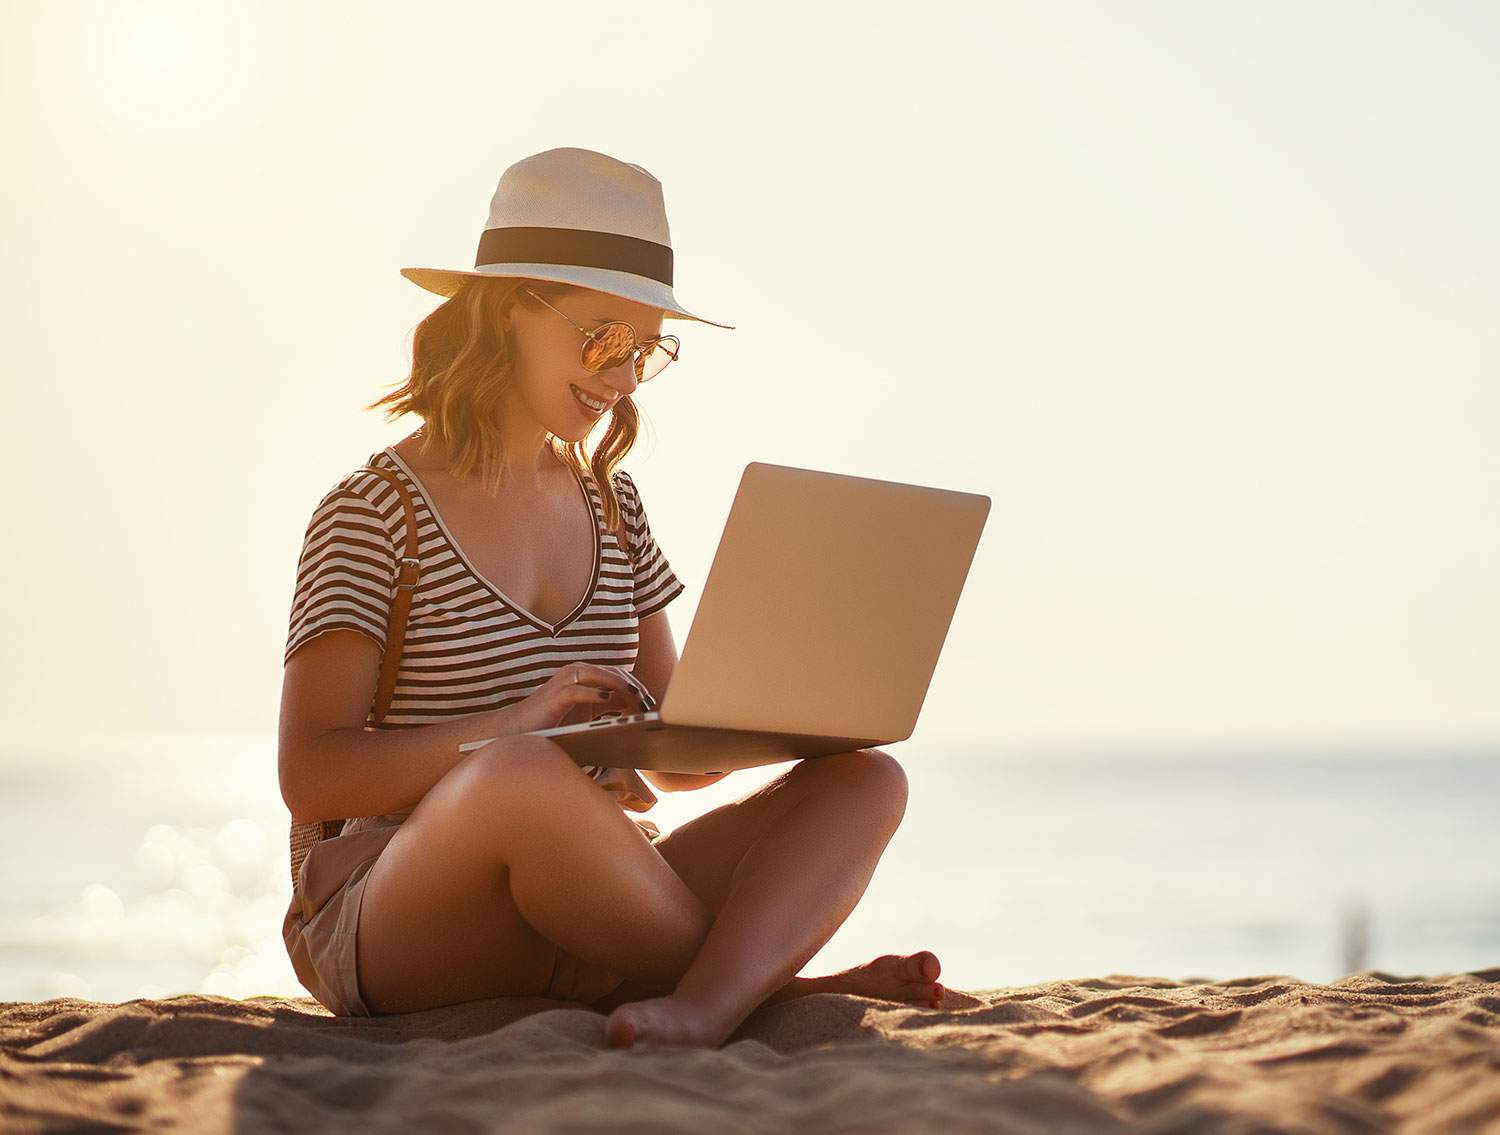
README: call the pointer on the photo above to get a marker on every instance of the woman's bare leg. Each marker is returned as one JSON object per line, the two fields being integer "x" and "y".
{"x": 825, "y": 825}
{"x": 442, "y": 922}
{"x": 891, "y": 977}
{"x": 912, "y": 978}
{"x": 514, "y": 850}
{"x": 706, "y": 851}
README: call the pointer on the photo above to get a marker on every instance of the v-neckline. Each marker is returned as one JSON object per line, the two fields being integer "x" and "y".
{"x": 552, "y": 629}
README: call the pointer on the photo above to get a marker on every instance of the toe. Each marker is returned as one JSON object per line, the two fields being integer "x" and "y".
{"x": 921, "y": 966}
{"x": 924, "y": 995}
{"x": 619, "y": 1032}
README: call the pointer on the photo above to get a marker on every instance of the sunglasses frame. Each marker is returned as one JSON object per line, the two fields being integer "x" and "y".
{"x": 637, "y": 351}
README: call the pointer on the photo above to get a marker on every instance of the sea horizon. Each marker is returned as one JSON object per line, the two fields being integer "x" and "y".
{"x": 148, "y": 867}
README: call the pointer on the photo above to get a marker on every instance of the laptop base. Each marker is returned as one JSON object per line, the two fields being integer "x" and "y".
{"x": 692, "y": 748}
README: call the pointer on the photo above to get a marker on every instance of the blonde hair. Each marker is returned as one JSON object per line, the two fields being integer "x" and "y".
{"x": 462, "y": 357}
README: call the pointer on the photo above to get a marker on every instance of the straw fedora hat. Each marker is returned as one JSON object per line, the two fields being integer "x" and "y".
{"x": 580, "y": 217}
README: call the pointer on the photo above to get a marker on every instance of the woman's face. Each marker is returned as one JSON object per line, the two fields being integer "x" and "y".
{"x": 549, "y": 372}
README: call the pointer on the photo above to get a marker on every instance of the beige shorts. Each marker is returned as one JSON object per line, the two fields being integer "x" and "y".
{"x": 323, "y": 918}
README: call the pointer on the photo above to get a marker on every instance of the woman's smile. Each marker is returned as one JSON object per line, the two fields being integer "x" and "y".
{"x": 579, "y": 396}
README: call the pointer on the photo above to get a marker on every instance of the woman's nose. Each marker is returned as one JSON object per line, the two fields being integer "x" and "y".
{"x": 622, "y": 377}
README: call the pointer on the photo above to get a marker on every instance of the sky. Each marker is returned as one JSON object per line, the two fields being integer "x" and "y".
{"x": 1201, "y": 296}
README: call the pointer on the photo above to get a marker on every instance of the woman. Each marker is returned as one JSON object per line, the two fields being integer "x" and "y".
{"x": 509, "y": 871}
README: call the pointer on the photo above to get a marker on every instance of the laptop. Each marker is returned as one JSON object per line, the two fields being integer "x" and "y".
{"x": 818, "y": 630}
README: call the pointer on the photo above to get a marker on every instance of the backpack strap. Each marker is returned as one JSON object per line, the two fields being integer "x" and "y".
{"x": 409, "y": 572}
{"x": 407, "y": 577}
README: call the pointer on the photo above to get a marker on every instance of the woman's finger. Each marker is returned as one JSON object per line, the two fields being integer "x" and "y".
{"x": 621, "y": 681}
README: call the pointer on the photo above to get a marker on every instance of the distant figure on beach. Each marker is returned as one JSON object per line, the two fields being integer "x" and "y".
{"x": 433, "y": 877}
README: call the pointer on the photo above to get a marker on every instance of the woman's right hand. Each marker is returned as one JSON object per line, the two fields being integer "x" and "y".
{"x": 596, "y": 689}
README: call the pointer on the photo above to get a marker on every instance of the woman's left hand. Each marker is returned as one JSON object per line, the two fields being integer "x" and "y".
{"x": 615, "y": 705}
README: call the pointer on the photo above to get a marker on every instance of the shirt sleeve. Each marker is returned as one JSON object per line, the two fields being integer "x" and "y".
{"x": 346, "y": 576}
{"x": 656, "y": 584}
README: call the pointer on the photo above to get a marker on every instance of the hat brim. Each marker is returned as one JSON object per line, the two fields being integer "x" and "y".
{"x": 626, "y": 285}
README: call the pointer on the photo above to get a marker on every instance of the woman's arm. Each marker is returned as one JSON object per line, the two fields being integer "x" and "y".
{"x": 331, "y": 767}
{"x": 656, "y": 658}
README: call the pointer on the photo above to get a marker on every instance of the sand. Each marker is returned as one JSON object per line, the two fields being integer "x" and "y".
{"x": 1373, "y": 1052}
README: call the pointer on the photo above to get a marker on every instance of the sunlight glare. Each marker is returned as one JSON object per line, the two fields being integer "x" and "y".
{"x": 167, "y": 68}
{"x": 156, "y": 41}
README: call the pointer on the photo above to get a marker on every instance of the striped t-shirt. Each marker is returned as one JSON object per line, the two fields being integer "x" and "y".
{"x": 468, "y": 647}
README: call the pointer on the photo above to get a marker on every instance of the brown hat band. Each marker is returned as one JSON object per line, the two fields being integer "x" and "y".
{"x": 586, "y": 247}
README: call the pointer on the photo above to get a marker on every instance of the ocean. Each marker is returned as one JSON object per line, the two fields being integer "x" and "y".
{"x": 144, "y": 867}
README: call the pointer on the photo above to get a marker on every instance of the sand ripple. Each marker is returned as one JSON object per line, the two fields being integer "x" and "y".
{"x": 1374, "y": 1052}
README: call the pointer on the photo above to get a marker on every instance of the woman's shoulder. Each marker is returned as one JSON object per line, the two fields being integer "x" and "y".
{"x": 624, "y": 483}
{"x": 372, "y": 486}
{"x": 361, "y": 491}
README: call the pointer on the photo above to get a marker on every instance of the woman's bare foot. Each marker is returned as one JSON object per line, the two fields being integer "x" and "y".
{"x": 669, "y": 1021}
{"x": 890, "y": 977}
{"x": 662, "y": 1022}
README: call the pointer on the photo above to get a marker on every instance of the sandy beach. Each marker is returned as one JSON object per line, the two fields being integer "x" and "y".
{"x": 1372, "y": 1052}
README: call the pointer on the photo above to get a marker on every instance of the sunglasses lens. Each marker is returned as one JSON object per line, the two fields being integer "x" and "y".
{"x": 608, "y": 346}
{"x": 656, "y": 358}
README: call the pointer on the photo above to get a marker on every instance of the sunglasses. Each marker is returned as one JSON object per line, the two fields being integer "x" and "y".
{"x": 612, "y": 343}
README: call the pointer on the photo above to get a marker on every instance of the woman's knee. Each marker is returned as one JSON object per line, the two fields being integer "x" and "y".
{"x": 873, "y": 771}
{"x": 525, "y": 770}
